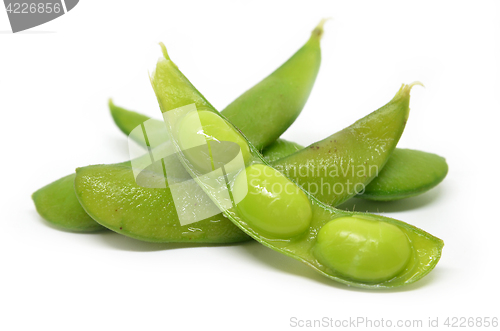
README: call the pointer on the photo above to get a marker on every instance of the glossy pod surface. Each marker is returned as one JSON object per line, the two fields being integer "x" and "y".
{"x": 110, "y": 193}
{"x": 57, "y": 204}
{"x": 262, "y": 217}
{"x": 363, "y": 249}
{"x": 354, "y": 248}
{"x": 148, "y": 214}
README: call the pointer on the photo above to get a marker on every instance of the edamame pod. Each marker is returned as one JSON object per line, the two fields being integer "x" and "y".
{"x": 280, "y": 149}
{"x": 283, "y": 105}
{"x": 407, "y": 173}
{"x": 379, "y": 252}
{"x": 128, "y": 120}
{"x": 57, "y": 203}
{"x": 338, "y": 167}
{"x": 282, "y": 95}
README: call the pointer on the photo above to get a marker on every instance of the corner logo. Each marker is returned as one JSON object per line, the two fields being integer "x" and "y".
{"x": 25, "y": 14}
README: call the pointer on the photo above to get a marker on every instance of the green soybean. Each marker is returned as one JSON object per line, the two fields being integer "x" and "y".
{"x": 282, "y": 106}
{"x": 354, "y": 248}
{"x": 301, "y": 242}
{"x": 291, "y": 212}
{"x": 363, "y": 249}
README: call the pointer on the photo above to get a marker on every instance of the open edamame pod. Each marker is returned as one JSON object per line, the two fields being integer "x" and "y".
{"x": 129, "y": 218}
{"x": 111, "y": 195}
{"x": 123, "y": 212}
{"x": 283, "y": 103}
{"x": 358, "y": 249}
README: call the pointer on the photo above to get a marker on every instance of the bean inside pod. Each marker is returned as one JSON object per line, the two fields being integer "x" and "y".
{"x": 353, "y": 248}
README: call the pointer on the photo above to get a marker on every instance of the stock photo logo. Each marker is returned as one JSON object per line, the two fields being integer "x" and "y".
{"x": 26, "y": 14}
{"x": 187, "y": 163}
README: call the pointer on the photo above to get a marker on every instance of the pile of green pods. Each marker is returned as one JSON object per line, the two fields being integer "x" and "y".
{"x": 360, "y": 161}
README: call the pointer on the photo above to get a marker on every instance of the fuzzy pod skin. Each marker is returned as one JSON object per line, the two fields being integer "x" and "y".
{"x": 266, "y": 125}
{"x": 407, "y": 173}
{"x": 338, "y": 167}
{"x": 301, "y": 241}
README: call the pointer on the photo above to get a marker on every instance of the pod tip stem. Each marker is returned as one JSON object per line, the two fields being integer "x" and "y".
{"x": 164, "y": 51}
{"x": 318, "y": 30}
{"x": 416, "y": 83}
{"x": 405, "y": 89}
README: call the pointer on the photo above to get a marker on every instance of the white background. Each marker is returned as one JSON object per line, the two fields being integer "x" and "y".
{"x": 54, "y": 83}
